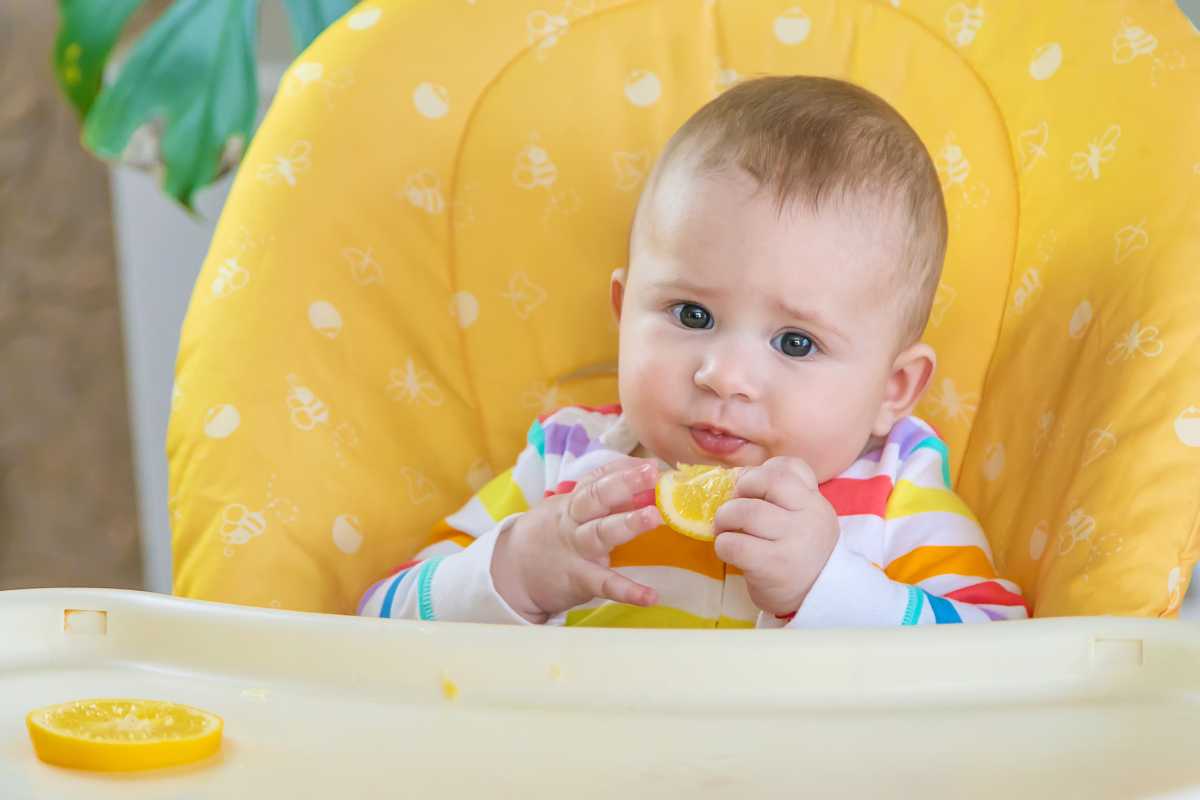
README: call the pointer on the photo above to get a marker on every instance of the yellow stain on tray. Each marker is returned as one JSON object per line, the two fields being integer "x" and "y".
{"x": 449, "y": 688}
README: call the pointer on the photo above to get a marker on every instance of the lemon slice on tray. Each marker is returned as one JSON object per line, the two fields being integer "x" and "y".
{"x": 117, "y": 735}
{"x": 689, "y": 496}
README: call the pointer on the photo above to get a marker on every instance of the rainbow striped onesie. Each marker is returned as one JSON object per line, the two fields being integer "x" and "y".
{"x": 909, "y": 553}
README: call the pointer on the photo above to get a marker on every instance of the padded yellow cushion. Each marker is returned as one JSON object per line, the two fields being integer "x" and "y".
{"x": 415, "y": 258}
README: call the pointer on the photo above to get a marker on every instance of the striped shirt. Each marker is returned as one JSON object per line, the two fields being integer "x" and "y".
{"x": 909, "y": 552}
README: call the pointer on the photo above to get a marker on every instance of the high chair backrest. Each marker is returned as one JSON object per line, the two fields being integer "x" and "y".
{"x": 415, "y": 259}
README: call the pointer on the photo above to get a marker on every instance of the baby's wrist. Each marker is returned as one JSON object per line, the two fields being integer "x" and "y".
{"x": 508, "y": 572}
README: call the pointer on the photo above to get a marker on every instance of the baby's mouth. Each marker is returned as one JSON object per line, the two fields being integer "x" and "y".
{"x": 716, "y": 441}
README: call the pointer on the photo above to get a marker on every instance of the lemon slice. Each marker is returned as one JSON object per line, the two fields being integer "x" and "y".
{"x": 118, "y": 735}
{"x": 688, "y": 497}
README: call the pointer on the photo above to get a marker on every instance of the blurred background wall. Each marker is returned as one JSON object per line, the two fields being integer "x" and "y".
{"x": 67, "y": 497}
{"x": 96, "y": 268}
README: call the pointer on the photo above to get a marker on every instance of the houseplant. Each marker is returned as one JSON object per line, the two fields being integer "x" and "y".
{"x": 185, "y": 96}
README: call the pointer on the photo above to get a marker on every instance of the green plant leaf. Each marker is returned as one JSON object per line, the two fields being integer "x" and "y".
{"x": 87, "y": 31}
{"x": 186, "y": 97}
{"x": 310, "y": 17}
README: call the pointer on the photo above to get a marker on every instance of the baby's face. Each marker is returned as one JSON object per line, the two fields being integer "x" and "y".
{"x": 747, "y": 334}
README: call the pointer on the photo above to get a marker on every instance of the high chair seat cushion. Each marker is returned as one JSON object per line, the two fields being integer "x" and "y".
{"x": 415, "y": 257}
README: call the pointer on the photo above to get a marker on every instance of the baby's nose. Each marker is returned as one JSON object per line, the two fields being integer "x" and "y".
{"x": 729, "y": 373}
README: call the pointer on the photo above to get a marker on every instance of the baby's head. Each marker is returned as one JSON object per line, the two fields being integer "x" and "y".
{"x": 783, "y": 261}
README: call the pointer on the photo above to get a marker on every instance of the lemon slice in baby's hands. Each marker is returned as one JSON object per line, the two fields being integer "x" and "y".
{"x": 689, "y": 497}
{"x": 118, "y": 735}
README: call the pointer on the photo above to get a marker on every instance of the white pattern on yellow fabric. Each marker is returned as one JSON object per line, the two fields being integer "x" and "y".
{"x": 1139, "y": 340}
{"x": 1102, "y": 149}
{"x": 1098, "y": 443}
{"x": 544, "y": 398}
{"x": 306, "y": 409}
{"x": 221, "y": 421}
{"x": 535, "y": 169}
{"x": 286, "y": 167}
{"x": 952, "y": 405}
{"x": 1081, "y": 318}
{"x": 1129, "y": 240}
{"x": 1132, "y": 41}
{"x": 1032, "y": 145}
{"x": 631, "y": 168}
{"x": 424, "y": 190}
{"x": 420, "y": 488}
{"x": 1046, "y": 61}
{"x": 993, "y": 461}
{"x": 239, "y": 525}
{"x": 560, "y": 203}
{"x": 1044, "y": 434}
{"x": 464, "y": 307}
{"x": 363, "y": 18}
{"x": 643, "y": 88}
{"x": 1167, "y": 62}
{"x": 478, "y": 474}
{"x": 325, "y": 319}
{"x": 1079, "y": 527}
{"x": 963, "y": 22}
{"x": 308, "y": 74}
{"x": 1038, "y": 540}
{"x": 1187, "y": 426}
{"x": 943, "y": 299}
{"x": 524, "y": 294}
{"x": 346, "y": 533}
{"x": 954, "y": 169}
{"x": 231, "y": 276}
{"x": 724, "y": 78}
{"x": 431, "y": 100}
{"x": 792, "y": 26}
{"x": 364, "y": 269}
{"x": 414, "y": 385}
{"x": 1031, "y": 281}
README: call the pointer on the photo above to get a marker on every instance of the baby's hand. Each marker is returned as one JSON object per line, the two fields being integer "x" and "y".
{"x": 555, "y": 556}
{"x": 778, "y": 530}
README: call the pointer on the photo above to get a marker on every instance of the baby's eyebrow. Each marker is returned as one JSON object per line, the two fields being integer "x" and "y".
{"x": 810, "y": 315}
{"x": 683, "y": 286}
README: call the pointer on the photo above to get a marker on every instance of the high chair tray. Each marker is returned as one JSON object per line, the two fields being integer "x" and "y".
{"x": 327, "y": 706}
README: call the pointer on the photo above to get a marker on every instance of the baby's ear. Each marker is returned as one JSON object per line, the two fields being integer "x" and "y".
{"x": 911, "y": 372}
{"x": 617, "y": 290}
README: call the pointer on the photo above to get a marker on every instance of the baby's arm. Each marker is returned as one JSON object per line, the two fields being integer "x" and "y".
{"x": 937, "y": 564}
{"x": 450, "y": 578}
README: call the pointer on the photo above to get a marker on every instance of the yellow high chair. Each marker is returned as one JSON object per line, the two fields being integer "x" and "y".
{"x": 414, "y": 262}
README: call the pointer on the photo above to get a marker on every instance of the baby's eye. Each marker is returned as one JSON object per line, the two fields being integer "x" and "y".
{"x": 794, "y": 343}
{"x": 691, "y": 315}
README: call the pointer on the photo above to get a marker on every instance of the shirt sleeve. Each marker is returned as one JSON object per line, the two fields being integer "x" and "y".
{"x": 451, "y": 577}
{"x": 937, "y": 564}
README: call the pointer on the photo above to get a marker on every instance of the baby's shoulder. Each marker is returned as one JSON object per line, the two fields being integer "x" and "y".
{"x": 574, "y": 428}
{"x": 914, "y": 451}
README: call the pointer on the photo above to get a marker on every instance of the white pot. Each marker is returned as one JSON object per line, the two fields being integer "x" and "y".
{"x": 160, "y": 250}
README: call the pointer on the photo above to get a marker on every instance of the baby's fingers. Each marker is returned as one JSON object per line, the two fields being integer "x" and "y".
{"x": 620, "y": 490}
{"x": 612, "y": 585}
{"x": 596, "y": 539}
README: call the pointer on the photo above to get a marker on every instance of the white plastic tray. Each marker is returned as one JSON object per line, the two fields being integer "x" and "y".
{"x": 327, "y": 706}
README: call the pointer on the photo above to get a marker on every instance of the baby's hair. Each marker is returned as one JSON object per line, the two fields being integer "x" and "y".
{"x": 817, "y": 142}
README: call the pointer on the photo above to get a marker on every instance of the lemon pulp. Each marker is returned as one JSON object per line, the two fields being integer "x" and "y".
{"x": 688, "y": 497}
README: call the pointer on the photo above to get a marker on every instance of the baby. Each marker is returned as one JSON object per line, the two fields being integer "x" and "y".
{"x": 783, "y": 260}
